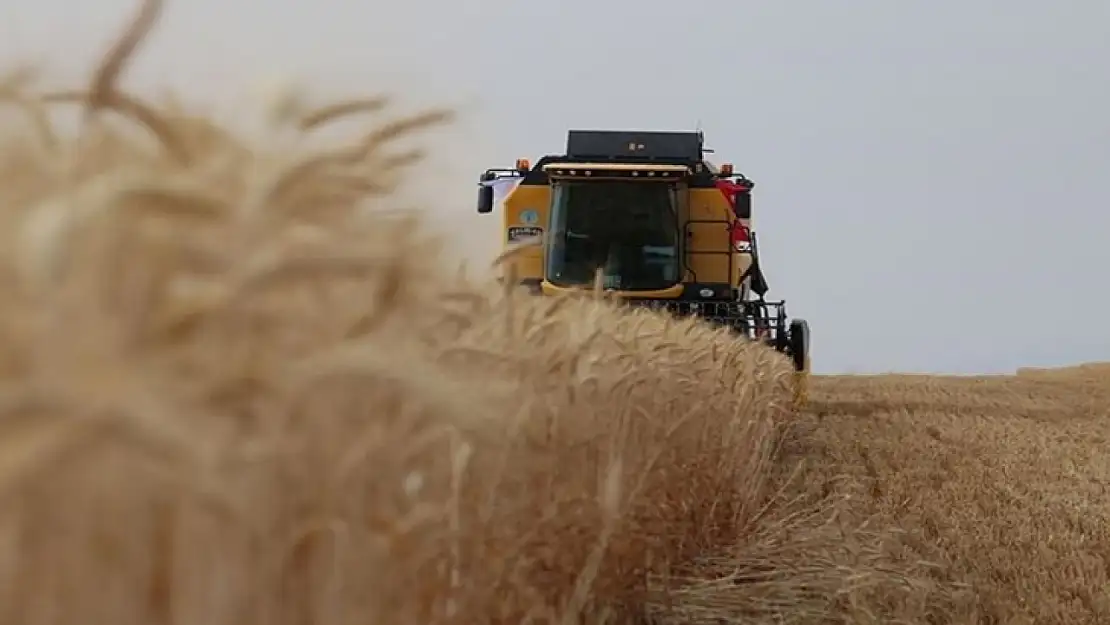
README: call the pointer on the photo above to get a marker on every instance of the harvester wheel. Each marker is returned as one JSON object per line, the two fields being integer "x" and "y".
{"x": 799, "y": 354}
{"x": 798, "y": 344}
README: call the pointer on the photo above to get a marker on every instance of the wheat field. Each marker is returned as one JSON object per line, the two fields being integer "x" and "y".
{"x": 242, "y": 386}
{"x": 928, "y": 499}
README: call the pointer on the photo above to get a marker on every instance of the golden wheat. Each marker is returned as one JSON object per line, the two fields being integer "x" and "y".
{"x": 238, "y": 389}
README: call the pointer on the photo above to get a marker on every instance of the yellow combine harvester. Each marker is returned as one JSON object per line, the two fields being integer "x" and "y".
{"x": 650, "y": 217}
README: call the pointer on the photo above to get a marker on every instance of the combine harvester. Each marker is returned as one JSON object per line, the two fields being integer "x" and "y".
{"x": 647, "y": 216}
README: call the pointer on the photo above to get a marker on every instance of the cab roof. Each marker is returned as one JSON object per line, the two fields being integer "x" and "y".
{"x": 679, "y": 148}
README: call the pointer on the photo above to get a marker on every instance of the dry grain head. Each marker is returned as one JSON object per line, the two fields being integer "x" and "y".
{"x": 238, "y": 388}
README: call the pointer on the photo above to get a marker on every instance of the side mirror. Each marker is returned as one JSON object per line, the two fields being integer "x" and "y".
{"x": 744, "y": 205}
{"x": 485, "y": 199}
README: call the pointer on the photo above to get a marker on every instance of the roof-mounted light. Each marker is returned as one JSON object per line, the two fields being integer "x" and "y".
{"x": 523, "y": 164}
{"x": 610, "y": 171}
{"x": 726, "y": 169}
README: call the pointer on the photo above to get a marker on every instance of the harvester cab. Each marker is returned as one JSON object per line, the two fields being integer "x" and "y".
{"x": 647, "y": 215}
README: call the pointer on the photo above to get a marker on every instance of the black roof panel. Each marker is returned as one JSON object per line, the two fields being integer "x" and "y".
{"x": 634, "y": 145}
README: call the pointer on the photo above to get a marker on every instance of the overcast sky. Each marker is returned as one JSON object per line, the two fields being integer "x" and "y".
{"x": 931, "y": 176}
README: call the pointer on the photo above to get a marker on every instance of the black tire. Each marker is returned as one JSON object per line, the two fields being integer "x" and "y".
{"x": 799, "y": 344}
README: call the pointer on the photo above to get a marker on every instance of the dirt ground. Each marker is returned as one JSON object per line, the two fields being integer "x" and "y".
{"x": 986, "y": 499}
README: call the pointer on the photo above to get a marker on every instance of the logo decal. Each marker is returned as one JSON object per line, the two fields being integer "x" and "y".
{"x": 529, "y": 217}
{"x": 519, "y": 234}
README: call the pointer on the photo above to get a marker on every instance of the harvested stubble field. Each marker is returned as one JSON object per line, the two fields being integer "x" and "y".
{"x": 239, "y": 388}
{"x": 962, "y": 499}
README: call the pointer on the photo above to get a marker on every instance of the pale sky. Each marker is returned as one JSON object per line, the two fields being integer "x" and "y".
{"x": 931, "y": 176}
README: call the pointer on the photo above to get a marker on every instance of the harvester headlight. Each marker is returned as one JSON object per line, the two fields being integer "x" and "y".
{"x": 707, "y": 292}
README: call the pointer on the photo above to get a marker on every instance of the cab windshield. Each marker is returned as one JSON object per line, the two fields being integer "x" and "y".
{"x": 629, "y": 230}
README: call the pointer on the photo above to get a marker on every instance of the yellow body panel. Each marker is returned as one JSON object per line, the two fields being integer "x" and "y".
{"x": 525, "y": 213}
{"x": 671, "y": 293}
{"x": 704, "y": 205}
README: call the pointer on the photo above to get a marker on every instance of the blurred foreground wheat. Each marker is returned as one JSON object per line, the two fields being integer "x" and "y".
{"x": 238, "y": 389}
